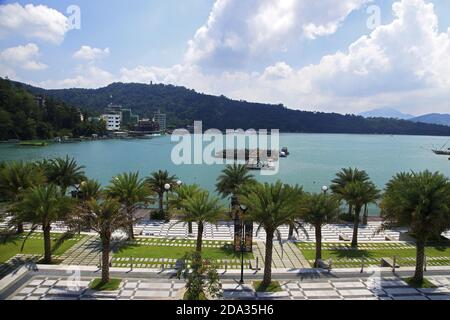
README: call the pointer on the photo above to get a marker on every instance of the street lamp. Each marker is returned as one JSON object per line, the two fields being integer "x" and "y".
{"x": 325, "y": 189}
{"x": 179, "y": 183}
{"x": 243, "y": 210}
{"x": 167, "y": 187}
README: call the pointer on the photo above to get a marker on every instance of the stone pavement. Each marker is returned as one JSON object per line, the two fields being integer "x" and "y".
{"x": 63, "y": 288}
{"x": 225, "y": 230}
{"x": 388, "y": 288}
{"x": 87, "y": 252}
{"x": 287, "y": 256}
{"x": 17, "y": 261}
{"x": 345, "y": 289}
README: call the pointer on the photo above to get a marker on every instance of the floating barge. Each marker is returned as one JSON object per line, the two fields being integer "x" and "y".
{"x": 442, "y": 151}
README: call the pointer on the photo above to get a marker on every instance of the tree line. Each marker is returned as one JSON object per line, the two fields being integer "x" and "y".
{"x": 21, "y": 117}
{"x": 183, "y": 106}
{"x": 37, "y": 193}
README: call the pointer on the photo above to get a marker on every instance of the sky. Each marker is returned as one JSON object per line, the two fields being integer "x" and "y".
{"x": 345, "y": 56}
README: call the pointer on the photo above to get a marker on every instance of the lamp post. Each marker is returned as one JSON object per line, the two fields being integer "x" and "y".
{"x": 243, "y": 210}
{"x": 325, "y": 189}
{"x": 167, "y": 187}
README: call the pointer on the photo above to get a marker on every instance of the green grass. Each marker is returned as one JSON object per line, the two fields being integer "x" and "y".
{"x": 274, "y": 286}
{"x": 112, "y": 285}
{"x": 425, "y": 283}
{"x": 157, "y": 251}
{"x": 202, "y": 296}
{"x": 11, "y": 245}
{"x": 343, "y": 255}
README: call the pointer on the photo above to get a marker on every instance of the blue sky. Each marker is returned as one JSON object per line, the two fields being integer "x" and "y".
{"x": 315, "y": 56}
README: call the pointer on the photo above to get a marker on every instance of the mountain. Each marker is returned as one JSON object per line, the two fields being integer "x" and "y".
{"x": 183, "y": 106}
{"x": 435, "y": 118}
{"x": 386, "y": 113}
{"x": 24, "y": 116}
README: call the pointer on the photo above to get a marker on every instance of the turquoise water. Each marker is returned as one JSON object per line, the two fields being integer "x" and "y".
{"x": 313, "y": 162}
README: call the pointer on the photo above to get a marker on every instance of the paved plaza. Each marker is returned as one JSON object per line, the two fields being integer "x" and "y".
{"x": 390, "y": 288}
{"x": 225, "y": 231}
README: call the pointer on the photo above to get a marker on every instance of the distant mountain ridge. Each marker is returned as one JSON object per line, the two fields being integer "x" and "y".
{"x": 386, "y": 113}
{"x": 183, "y": 106}
{"x": 435, "y": 118}
{"x": 431, "y": 118}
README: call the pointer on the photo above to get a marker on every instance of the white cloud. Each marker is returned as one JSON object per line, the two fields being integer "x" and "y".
{"x": 237, "y": 31}
{"x": 85, "y": 77}
{"x": 40, "y": 22}
{"x": 22, "y": 57}
{"x": 88, "y": 53}
{"x": 404, "y": 64}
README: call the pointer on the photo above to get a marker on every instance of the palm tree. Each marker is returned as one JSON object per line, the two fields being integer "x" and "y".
{"x": 318, "y": 210}
{"x": 343, "y": 178}
{"x": 202, "y": 208}
{"x": 233, "y": 180}
{"x": 90, "y": 189}
{"x": 270, "y": 205}
{"x": 358, "y": 194}
{"x": 420, "y": 201}
{"x": 294, "y": 224}
{"x": 17, "y": 177}
{"x": 182, "y": 193}
{"x": 129, "y": 190}
{"x": 63, "y": 172}
{"x": 157, "y": 182}
{"x": 43, "y": 205}
{"x": 105, "y": 217}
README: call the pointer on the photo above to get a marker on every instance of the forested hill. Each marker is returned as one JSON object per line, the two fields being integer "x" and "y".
{"x": 183, "y": 106}
{"x": 22, "y": 117}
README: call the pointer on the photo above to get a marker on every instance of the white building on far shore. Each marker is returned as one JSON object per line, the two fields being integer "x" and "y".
{"x": 113, "y": 121}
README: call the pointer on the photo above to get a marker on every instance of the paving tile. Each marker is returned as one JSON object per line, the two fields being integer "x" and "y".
{"x": 321, "y": 293}
{"x": 355, "y": 292}
{"x": 316, "y": 285}
{"x": 400, "y": 291}
{"x": 350, "y": 284}
{"x": 151, "y": 294}
{"x": 410, "y": 298}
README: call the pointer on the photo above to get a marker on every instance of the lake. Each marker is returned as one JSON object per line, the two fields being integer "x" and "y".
{"x": 313, "y": 161}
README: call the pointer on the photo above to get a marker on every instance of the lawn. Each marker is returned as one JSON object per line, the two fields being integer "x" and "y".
{"x": 11, "y": 245}
{"x": 112, "y": 285}
{"x": 343, "y": 255}
{"x": 160, "y": 249}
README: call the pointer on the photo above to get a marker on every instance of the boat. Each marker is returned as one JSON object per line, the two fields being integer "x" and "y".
{"x": 253, "y": 164}
{"x": 442, "y": 151}
{"x": 284, "y": 152}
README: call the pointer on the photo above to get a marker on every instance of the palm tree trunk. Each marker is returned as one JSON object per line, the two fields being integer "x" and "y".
{"x": 130, "y": 224}
{"x": 420, "y": 255}
{"x": 350, "y": 209}
{"x": 189, "y": 227}
{"x": 267, "y": 279}
{"x": 365, "y": 215}
{"x": 356, "y": 226}
{"x": 161, "y": 202}
{"x": 291, "y": 231}
{"x": 47, "y": 243}
{"x": 199, "y": 236}
{"x": 106, "y": 239}
{"x": 318, "y": 231}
